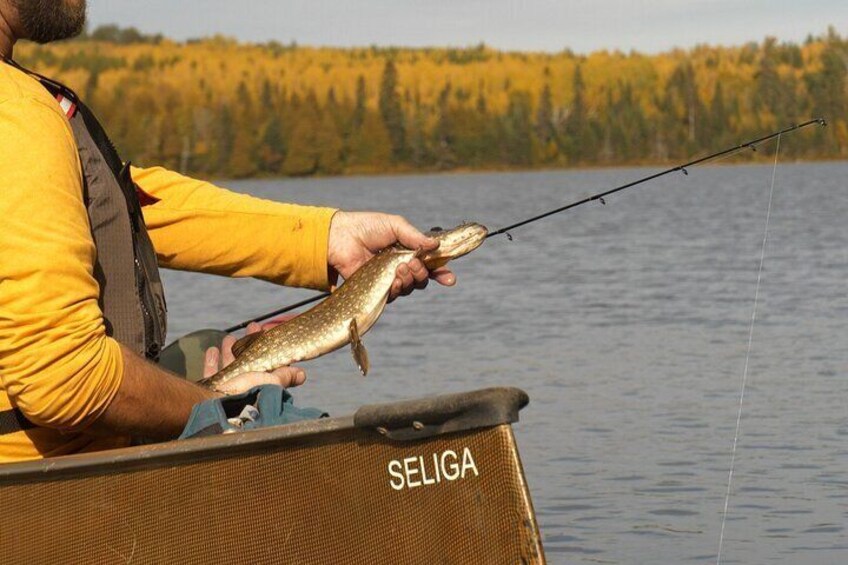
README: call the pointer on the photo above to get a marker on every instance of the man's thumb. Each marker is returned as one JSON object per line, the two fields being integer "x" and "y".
{"x": 409, "y": 236}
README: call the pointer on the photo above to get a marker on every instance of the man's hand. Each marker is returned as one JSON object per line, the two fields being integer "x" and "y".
{"x": 355, "y": 237}
{"x": 217, "y": 359}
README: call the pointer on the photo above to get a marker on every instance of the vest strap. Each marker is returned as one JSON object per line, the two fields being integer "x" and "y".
{"x": 131, "y": 294}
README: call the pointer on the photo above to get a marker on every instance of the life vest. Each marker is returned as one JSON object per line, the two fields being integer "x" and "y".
{"x": 132, "y": 298}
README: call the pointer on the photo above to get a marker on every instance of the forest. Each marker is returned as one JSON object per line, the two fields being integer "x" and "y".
{"x": 215, "y": 107}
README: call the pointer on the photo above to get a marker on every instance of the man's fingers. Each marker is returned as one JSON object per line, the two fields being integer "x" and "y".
{"x": 404, "y": 282}
{"x": 418, "y": 270}
{"x": 227, "y": 350}
{"x": 273, "y": 323}
{"x": 284, "y": 376}
{"x": 404, "y": 273}
{"x": 290, "y": 376}
{"x": 253, "y": 327}
{"x": 443, "y": 276}
{"x": 414, "y": 275}
{"x": 247, "y": 381}
{"x": 409, "y": 236}
{"x": 420, "y": 274}
{"x": 212, "y": 362}
{"x": 394, "y": 291}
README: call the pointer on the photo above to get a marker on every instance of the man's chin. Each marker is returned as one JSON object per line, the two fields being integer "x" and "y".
{"x": 44, "y": 21}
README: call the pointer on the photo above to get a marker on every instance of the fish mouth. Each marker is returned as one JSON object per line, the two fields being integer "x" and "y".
{"x": 456, "y": 242}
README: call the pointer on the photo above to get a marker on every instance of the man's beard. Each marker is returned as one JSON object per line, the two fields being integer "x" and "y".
{"x": 44, "y": 21}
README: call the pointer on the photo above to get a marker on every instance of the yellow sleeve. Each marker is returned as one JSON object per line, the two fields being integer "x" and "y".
{"x": 197, "y": 226}
{"x": 56, "y": 363}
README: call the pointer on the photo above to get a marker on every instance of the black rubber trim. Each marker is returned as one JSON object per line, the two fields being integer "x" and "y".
{"x": 417, "y": 419}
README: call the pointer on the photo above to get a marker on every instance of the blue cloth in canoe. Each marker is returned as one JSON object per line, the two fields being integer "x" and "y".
{"x": 260, "y": 407}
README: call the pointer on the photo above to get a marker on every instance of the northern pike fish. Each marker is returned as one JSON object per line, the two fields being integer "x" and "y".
{"x": 346, "y": 314}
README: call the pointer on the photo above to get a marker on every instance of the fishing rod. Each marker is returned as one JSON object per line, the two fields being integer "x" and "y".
{"x": 600, "y": 197}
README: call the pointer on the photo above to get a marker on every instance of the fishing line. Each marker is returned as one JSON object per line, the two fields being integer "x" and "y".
{"x": 748, "y": 354}
{"x": 600, "y": 197}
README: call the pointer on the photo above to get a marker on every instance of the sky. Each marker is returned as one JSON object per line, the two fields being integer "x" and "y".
{"x": 539, "y": 25}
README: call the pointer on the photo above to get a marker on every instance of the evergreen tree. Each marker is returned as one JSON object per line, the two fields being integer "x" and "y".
{"x": 172, "y": 128}
{"x": 684, "y": 110}
{"x": 242, "y": 163}
{"x": 272, "y": 149}
{"x": 471, "y": 144}
{"x": 244, "y": 104}
{"x": 224, "y": 137}
{"x": 266, "y": 99}
{"x": 370, "y": 146}
{"x": 768, "y": 95}
{"x": 718, "y": 121}
{"x": 340, "y": 112}
{"x": 580, "y": 141}
{"x": 390, "y": 109}
{"x": 444, "y": 134}
{"x": 518, "y": 142}
{"x": 304, "y": 147}
{"x": 827, "y": 86}
{"x": 827, "y": 92}
{"x": 361, "y": 104}
{"x": 482, "y": 107}
{"x": 545, "y": 130}
{"x": 419, "y": 150}
{"x": 627, "y": 126}
{"x": 329, "y": 146}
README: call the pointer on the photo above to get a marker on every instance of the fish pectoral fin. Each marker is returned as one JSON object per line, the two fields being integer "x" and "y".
{"x": 245, "y": 342}
{"x": 360, "y": 354}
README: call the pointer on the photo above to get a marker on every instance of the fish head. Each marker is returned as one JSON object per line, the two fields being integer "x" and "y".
{"x": 454, "y": 243}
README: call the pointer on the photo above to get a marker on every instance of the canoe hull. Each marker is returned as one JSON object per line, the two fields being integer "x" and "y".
{"x": 329, "y": 491}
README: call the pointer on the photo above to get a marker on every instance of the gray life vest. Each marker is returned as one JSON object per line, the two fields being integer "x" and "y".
{"x": 131, "y": 294}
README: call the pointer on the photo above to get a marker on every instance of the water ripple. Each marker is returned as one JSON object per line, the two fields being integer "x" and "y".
{"x": 627, "y": 325}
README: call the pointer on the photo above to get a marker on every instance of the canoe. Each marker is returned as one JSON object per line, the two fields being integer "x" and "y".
{"x": 435, "y": 480}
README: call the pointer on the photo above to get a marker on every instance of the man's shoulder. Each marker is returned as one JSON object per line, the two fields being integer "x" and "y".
{"x": 17, "y": 86}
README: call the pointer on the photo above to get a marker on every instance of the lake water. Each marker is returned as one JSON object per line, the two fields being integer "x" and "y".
{"x": 627, "y": 324}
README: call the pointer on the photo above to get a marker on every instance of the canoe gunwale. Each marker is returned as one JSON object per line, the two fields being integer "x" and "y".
{"x": 398, "y": 421}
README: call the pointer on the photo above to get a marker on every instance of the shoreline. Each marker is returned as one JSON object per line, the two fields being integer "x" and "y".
{"x": 463, "y": 171}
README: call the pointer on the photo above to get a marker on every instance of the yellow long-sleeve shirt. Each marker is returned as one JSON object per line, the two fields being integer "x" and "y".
{"x": 56, "y": 363}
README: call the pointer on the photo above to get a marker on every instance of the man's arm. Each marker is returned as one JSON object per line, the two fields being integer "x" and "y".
{"x": 153, "y": 403}
{"x": 197, "y": 226}
{"x": 150, "y": 402}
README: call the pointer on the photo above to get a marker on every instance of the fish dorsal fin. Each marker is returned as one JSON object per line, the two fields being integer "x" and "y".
{"x": 360, "y": 354}
{"x": 245, "y": 342}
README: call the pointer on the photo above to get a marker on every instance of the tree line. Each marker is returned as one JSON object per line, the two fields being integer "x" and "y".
{"x": 214, "y": 107}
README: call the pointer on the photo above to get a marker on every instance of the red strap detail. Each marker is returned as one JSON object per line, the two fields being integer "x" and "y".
{"x": 67, "y": 105}
{"x": 144, "y": 199}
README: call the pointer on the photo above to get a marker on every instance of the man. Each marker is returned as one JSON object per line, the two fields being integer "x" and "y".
{"x": 80, "y": 298}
